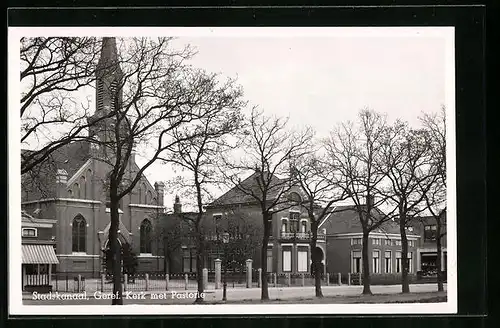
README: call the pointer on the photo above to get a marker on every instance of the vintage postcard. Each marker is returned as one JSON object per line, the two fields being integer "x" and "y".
{"x": 204, "y": 170}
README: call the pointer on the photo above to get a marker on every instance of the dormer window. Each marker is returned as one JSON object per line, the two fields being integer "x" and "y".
{"x": 29, "y": 232}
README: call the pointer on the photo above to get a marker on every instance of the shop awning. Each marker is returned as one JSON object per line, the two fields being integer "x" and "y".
{"x": 39, "y": 254}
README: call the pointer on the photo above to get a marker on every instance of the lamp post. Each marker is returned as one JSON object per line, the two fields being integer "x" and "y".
{"x": 225, "y": 241}
{"x": 101, "y": 247}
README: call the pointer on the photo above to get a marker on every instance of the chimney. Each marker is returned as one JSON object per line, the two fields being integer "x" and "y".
{"x": 177, "y": 205}
{"x": 160, "y": 192}
{"x": 61, "y": 181}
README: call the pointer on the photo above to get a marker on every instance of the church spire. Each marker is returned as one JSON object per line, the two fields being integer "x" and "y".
{"x": 109, "y": 54}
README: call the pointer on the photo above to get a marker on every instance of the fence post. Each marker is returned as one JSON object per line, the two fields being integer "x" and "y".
{"x": 166, "y": 281}
{"x": 288, "y": 279}
{"x": 103, "y": 277}
{"x": 275, "y": 276}
{"x": 339, "y": 278}
{"x": 303, "y": 280}
{"x": 79, "y": 283}
{"x": 146, "y": 277}
{"x": 349, "y": 279}
{"x": 218, "y": 267}
{"x": 186, "y": 281}
{"x": 67, "y": 288}
{"x": 249, "y": 273}
{"x": 328, "y": 279}
{"x": 205, "y": 278}
{"x": 125, "y": 282}
{"x": 259, "y": 281}
{"x": 360, "y": 282}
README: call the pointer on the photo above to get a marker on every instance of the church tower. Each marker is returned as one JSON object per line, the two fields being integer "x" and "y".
{"x": 109, "y": 93}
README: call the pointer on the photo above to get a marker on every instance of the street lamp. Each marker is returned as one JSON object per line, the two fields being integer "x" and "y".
{"x": 225, "y": 240}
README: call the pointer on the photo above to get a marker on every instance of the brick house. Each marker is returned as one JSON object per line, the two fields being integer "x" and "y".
{"x": 288, "y": 248}
{"x": 69, "y": 187}
{"x": 38, "y": 255}
{"x": 344, "y": 244}
{"x": 427, "y": 249}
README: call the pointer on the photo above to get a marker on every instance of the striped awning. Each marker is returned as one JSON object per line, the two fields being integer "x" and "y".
{"x": 39, "y": 254}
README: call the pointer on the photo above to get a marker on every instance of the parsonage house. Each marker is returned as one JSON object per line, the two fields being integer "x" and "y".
{"x": 69, "y": 187}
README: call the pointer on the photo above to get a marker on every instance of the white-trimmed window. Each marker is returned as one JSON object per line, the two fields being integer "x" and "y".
{"x": 388, "y": 261}
{"x": 29, "y": 232}
{"x": 396, "y": 242}
{"x": 388, "y": 242}
{"x": 357, "y": 241}
{"x": 376, "y": 241}
{"x": 284, "y": 225}
{"x": 294, "y": 221}
{"x": 410, "y": 262}
{"x": 302, "y": 261}
{"x": 376, "y": 261}
{"x": 398, "y": 262}
{"x": 303, "y": 226}
{"x": 287, "y": 260}
{"x": 411, "y": 243}
{"x": 356, "y": 262}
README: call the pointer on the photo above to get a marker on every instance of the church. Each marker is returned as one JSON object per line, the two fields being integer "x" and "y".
{"x": 70, "y": 188}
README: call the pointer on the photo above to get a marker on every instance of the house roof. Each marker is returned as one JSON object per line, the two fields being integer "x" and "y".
{"x": 242, "y": 193}
{"x": 344, "y": 219}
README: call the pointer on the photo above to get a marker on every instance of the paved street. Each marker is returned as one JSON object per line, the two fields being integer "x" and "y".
{"x": 236, "y": 294}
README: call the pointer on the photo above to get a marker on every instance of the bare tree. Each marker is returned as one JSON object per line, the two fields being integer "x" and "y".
{"x": 198, "y": 155}
{"x": 354, "y": 151}
{"x": 407, "y": 158}
{"x": 317, "y": 180}
{"x": 435, "y": 198}
{"x": 54, "y": 71}
{"x": 153, "y": 95}
{"x": 267, "y": 147}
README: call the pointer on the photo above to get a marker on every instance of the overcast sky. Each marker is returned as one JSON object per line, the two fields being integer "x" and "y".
{"x": 315, "y": 76}
{"x": 320, "y": 81}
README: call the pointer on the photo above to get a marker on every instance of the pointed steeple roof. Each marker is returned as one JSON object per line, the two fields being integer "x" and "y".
{"x": 109, "y": 53}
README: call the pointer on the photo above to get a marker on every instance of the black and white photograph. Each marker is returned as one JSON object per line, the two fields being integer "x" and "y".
{"x": 277, "y": 170}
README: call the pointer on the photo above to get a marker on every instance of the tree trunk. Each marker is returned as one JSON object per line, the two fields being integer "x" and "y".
{"x": 438, "y": 258}
{"x": 115, "y": 246}
{"x": 263, "y": 256}
{"x": 316, "y": 261}
{"x": 405, "y": 284}
{"x": 365, "y": 268}
{"x": 199, "y": 265}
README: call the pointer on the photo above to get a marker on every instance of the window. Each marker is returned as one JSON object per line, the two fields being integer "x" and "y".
{"x": 398, "y": 262}
{"x": 83, "y": 186}
{"x": 217, "y": 221}
{"x": 376, "y": 261}
{"x": 294, "y": 221}
{"x": 284, "y": 225}
{"x": 410, "y": 262}
{"x": 411, "y": 243}
{"x": 356, "y": 241}
{"x": 376, "y": 241}
{"x": 302, "y": 261}
{"x": 79, "y": 227}
{"x": 77, "y": 190}
{"x": 356, "y": 262}
{"x": 303, "y": 226}
{"x": 149, "y": 196}
{"x": 388, "y": 242}
{"x": 396, "y": 242}
{"x": 145, "y": 237}
{"x": 430, "y": 232}
{"x": 188, "y": 260}
{"x": 387, "y": 262}
{"x": 29, "y": 232}
{"x": 269, "y": 260}
{"x": 287, "y": 260}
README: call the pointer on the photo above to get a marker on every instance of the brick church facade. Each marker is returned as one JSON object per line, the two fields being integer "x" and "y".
{"x": 70, "y": 187}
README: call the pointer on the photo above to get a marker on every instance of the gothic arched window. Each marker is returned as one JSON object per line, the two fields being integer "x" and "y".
{"x": 83, "y": 185}
{"x": 79, "y": 234}
{"x": 146, "y": 236}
